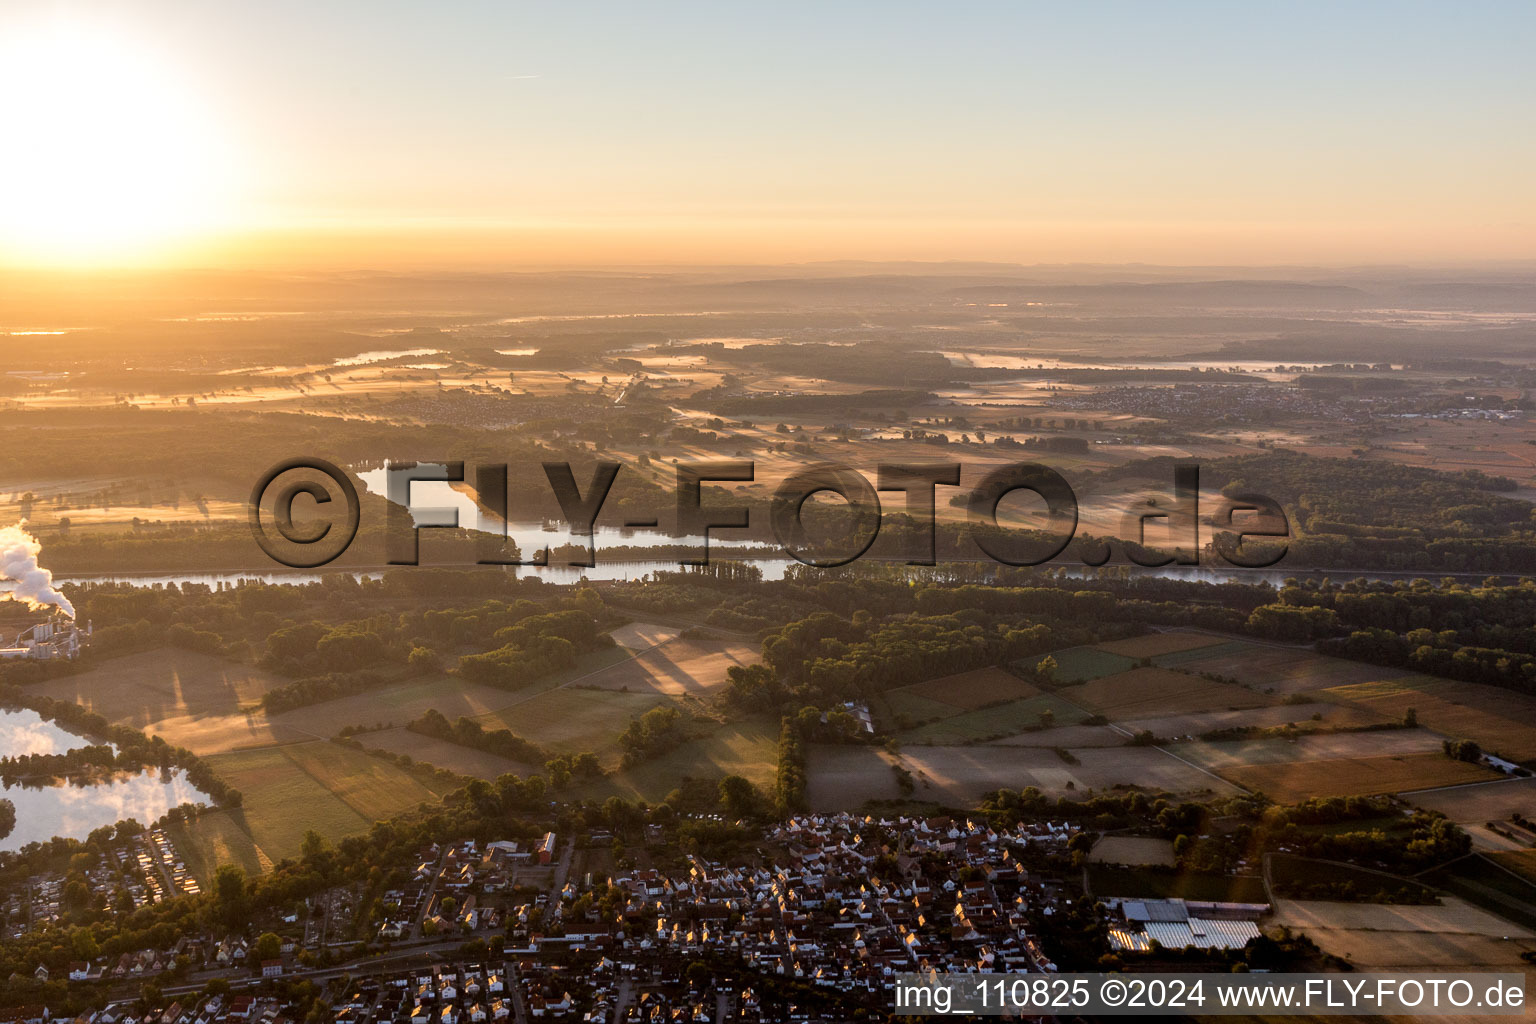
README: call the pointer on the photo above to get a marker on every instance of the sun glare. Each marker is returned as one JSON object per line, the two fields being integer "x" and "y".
{"x": 107, "y": 156}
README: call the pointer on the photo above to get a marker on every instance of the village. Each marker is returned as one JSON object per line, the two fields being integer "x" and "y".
{"x": 834, "y": 906}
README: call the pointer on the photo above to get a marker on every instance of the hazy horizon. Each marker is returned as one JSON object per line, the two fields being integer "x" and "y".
{"x": 480, "y": 135}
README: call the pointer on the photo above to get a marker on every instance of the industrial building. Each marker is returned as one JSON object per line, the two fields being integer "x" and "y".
{"x": 57, "y": 638}
{"x": 1175, "y": 923}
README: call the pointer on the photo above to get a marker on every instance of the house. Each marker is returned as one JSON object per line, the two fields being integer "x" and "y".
{"x": 539, "y": 1007}
{"x": 271, "y": 968}
{"x": 79, "y": 970}
{"x": 547, "y": 848}
{"x": 32, "y": 1013}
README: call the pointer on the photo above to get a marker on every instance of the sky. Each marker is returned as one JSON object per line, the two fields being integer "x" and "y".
{"x": 459, "y": 132}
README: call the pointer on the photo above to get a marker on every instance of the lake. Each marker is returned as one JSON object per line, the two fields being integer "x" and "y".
{"x": 24, "y": 731}
{"x": 75, "y": 811}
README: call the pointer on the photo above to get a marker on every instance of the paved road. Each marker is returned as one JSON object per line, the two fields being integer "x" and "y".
{"x": 426, "y": 898}
{"x": 515, "y": 993}
{"x": 419, "y": 955}
{"x": 563, "y": 868}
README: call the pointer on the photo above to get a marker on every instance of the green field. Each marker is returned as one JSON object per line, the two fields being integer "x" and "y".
{"x": 1499, "y": 882}
{"x": 219, "y": 837}
{"x": 290, "y": 789}
{"x": 1149, "y": 691}
{"x": 1304, "y": 878}
{"x": 1080, "y": 664}
{"x": 1177, "y": 658}
{"x": 572, "y": 720}
{"x": 749, "y": 749}
{"x": 995, "y": 722}
{"x": 403, "y": 702}
{"x": 913, "y": 707}
{"x": 1521, "y": 862}
{"x": 454, "y": 757}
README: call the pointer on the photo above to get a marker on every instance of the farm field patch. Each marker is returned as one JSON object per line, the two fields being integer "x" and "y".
{"x": 218, "y": 837}
{"x": 968, "y": 691}
{"x": 1157, "y": 644}
{"x": 573, "y": 720}
{"x": 1142, "y": 692}
{"x": 842, "y": 777}
{"x": 341, "y": 791}
{"x": 168, "y": 683}
{"x": 1132, "y": 850}
{"x": 1399, "y": 937}
{"x": 1160, "y": 883}
{"x": 217, "y": 734}
{"x": 442, "y": 754}
{"x": 1492, "y": 801}
{"x": 1177, "y": 659}
{"x": 1521, "y": 862}
{"x": 640, "y": 636}
{"x": 1363, "y": 776}
{"x": 233, "y": 728}
{"x": 997, "y": 722}
{"x": 398, "y": 704}
{"x": 1228, "y": 754}
{"x": 1308, "y": 878}
{"x": 1499, "y": 720}
{"x": 682, "y": 666}
{"x": 394, "y": 704}
{"x": 1285, "y": 670}
{"x": 960, "y": 775}
{"x": 1070, "y": 736}
{"x": 899, "y": 709}
{"x": 1081, "y": 664}
{"x": 1199, "y": 722}
{"x": 748, "y": 749}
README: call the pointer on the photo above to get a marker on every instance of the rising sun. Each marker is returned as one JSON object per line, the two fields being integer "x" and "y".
{"x": 108, "y": 157}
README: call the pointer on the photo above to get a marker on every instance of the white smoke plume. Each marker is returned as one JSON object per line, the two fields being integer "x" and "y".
{"x": 21, "y": 578}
